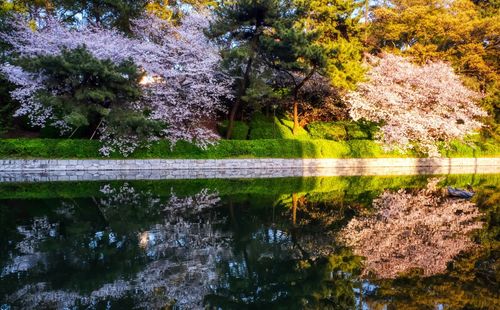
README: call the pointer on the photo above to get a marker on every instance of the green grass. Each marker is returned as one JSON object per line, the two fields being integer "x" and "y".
{"x": 472, "y": 147}
{"x": 262, "y": 127}
{"x": 266, "y": 148}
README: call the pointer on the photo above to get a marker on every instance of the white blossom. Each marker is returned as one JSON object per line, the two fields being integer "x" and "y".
{"x": 184, "y": 88}
{"x": 416, "y": 104}
{"x": 412, "y": 230}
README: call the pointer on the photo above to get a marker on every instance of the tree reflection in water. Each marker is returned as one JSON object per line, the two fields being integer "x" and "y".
{"x": 418, "y": 229}
{"x": 182, "y": 251}
{"x": 343, "y": 243}
{"x": 289, "y": 260}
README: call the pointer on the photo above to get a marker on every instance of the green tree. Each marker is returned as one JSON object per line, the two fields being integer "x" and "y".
{"x": 291, "y": 50}
{"x": 7, "y": 105}
{"x": 338, "y": 28}
{"x": 83, "y": 91}
{"x": 238, "y": 28}
{"x": 320, "y": 38}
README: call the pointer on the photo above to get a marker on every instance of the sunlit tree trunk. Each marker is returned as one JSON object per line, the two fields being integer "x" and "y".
{"x": 296, "y": 90}
{"x": 295, "y": 117}
{"x": 295, "y": 202}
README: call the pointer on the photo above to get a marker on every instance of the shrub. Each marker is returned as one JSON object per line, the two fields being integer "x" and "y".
{"x": 341, "y": 131}
{"x": 266, "y": 148}
{"x": 240, "y": 130}
{"x": 328, "y": 131}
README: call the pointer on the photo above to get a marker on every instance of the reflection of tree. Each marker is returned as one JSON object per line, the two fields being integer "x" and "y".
{"x": 471, "y": 280}
{"x": 29, "y": 255}
{"x": 290, "y": 262}
{"x": 174, "y": 260}
{"x": 419, "y": 229}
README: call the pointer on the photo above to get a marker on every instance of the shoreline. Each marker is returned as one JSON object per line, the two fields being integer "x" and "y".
{"x": 45, "y": 170}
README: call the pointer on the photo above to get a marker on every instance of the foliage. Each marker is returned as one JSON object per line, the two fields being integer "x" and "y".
{"x": 463, "y": 32}
{"x": 267, "y": 148}
{"x": 240, "y": 130}
{"x": 292, "y": 52}
{"x": 320, "y": 101}
{"x": 263, "y": 54}
{"x": 418, "y": 105}
{"x": 322, "y": 40}
{"x": 187, "y": 86}
{"x": 7, "y": 106}
{"x": 272, "y": 45}
{"x": 183, "y": 86}
{"x": 239, "y": 28}
{"x": 338, "y": 29}
{"x": 339, "y": 131}
{"x": 78, "y": 86}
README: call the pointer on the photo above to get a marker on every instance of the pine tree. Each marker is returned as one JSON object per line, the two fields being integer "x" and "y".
{"x": 320, "y": 38}
{"x": 83, "y": 90}
{"x": 291, "y": 50}
{"x": 239, "y": 28}
{"x": 293, "y": 39}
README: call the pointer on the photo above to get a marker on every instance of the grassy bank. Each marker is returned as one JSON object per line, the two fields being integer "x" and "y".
{"x": 265, "y": 148}
{"x": 357, "y": 186}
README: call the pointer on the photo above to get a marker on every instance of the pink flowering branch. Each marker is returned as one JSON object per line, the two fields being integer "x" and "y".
{"x": 418, "y": 105}
{"x": 412, "y": 230}
{"x": 185, "y": 87}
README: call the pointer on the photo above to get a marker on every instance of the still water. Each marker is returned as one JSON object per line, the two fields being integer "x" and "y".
{"x": 293, "y": 243}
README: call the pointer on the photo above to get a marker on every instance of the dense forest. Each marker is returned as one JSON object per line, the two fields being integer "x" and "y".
{"x": 411, "y": 74}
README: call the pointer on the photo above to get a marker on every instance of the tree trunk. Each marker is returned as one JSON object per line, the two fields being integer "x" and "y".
{"x": 232, "y": 116}
{"x": 295, "y": 117}
{"x": 295, "y": 201}
{"x": 242, "y": 91}
{"x": 296, "y": 90}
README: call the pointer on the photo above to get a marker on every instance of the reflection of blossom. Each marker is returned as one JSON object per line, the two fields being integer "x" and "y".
{"x": 204, "y": 199}
{"x": 412, "y": 230}
{"x": 32, "y": 236}
{"x": 126, "y": 194}
{"x": 182, "y": 252}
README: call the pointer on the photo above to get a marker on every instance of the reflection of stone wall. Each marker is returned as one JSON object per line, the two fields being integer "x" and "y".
{"x": 73, "y": 170}
{"x": 420, "y": 229}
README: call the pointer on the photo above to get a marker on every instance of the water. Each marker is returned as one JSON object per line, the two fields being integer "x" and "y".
{"x": 294, "y": 243}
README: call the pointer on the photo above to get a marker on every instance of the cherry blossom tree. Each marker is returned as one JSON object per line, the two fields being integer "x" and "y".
{"x": 409, "y": 230}
{"x": 418, "y": 105}
{"x": 182, "y": 86}
{"x": 186, "y": 85}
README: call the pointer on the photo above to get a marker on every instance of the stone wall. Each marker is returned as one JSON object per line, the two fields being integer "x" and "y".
{"x": 66, "y": 170}
{"x": 176, "y": 164}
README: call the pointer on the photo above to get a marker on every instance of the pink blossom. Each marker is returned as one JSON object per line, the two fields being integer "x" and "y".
{"x": 186, "y": 87}
{"x": 416, "y": 104}
{"x": 409, "y": 230}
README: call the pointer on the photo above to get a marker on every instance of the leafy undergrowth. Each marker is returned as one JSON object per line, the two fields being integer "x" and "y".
{"x": 265, "y": 148}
